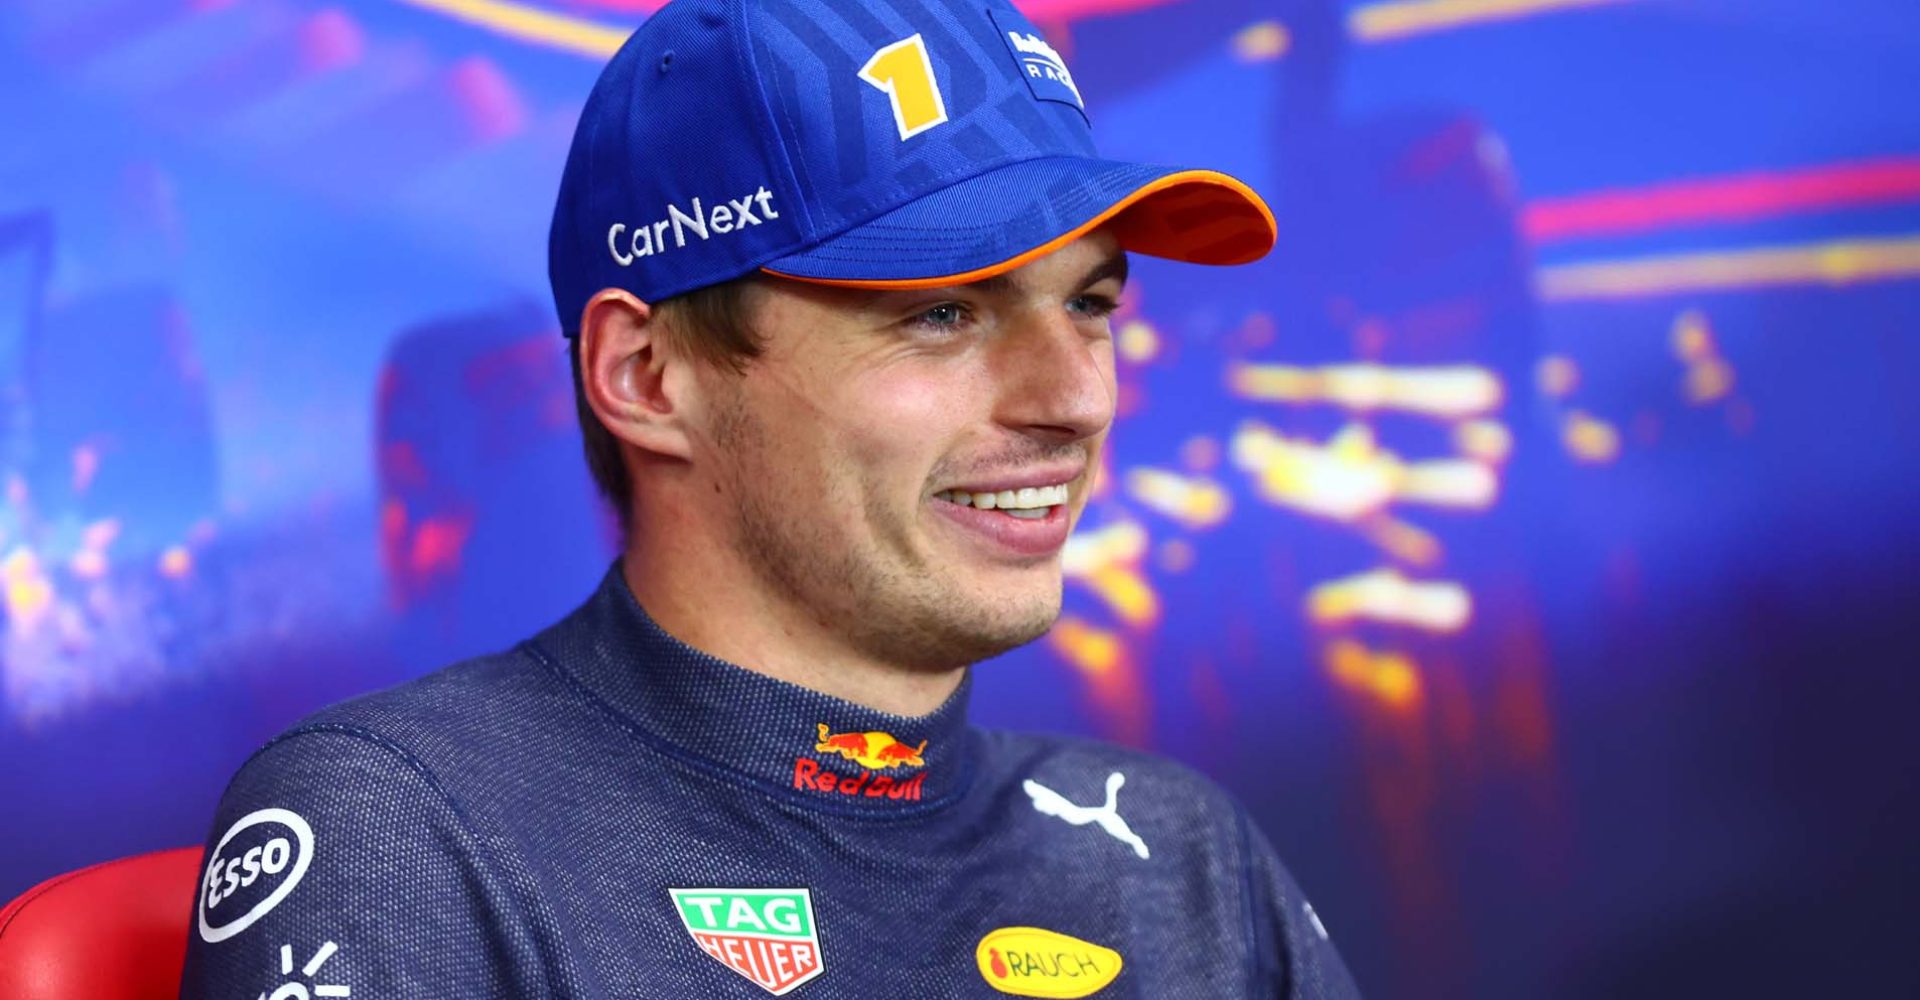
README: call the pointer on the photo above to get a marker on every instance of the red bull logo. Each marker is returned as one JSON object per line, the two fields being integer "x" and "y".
{"x": 874, "y": 751}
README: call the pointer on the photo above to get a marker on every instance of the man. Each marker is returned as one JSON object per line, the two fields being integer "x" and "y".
{"x": 838, "y": 277}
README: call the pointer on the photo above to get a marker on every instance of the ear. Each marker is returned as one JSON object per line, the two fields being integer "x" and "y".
{"x": 636, "y": 385}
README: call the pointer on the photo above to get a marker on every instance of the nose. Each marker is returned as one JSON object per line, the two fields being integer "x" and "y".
{"x": 1057, "y": 379}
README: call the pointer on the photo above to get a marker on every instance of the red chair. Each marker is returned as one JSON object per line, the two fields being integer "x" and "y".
{"x": 117, "y": 929}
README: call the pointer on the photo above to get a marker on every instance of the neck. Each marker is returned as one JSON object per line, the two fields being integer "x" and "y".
{"x": 700, "y": 595}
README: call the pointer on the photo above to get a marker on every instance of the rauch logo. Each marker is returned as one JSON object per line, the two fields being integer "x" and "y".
{"x": 1035, "y": 962}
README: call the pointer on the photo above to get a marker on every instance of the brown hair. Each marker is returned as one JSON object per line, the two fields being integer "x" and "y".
{"x": 713, "y": 325}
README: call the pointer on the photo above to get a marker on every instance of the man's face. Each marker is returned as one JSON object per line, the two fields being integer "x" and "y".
{"x": 835, "y": 453}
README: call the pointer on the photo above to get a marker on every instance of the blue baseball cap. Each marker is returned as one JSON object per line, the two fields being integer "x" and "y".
{"x": 870, "y": 143}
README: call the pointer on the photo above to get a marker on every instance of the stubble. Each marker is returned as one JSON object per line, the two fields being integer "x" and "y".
{"x": 874, "y": 590}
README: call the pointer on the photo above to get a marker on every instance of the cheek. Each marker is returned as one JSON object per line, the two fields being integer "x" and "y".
{"x": 894, "y": 432}
{"x": 871, "y": 437}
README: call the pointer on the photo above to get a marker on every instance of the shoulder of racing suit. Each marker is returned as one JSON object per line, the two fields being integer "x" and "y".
{"x": 1203, "y": 832}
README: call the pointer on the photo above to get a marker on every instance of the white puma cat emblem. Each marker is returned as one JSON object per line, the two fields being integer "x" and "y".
{"x": 1052, "y": 803}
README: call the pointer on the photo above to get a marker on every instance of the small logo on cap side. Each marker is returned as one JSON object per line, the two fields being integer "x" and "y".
{"x": 1040, "y": 65}
{"x": 704, "y": 222}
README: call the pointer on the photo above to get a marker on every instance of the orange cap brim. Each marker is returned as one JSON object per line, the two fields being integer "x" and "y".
{"x": 1198, "y": 216}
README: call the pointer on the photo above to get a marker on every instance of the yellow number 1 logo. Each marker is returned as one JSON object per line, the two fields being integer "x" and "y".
{"x": 904, "y": 73}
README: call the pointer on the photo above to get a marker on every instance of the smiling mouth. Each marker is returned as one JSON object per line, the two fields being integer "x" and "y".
{"x": 1030, "y": 503}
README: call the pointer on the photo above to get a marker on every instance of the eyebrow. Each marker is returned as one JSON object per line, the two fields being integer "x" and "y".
{"x": 1113, "y": 267}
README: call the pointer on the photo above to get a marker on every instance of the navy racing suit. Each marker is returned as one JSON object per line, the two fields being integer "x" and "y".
{"x": 605, "y": 812}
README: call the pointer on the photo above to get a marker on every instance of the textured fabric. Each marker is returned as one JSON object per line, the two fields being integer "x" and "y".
{"x": 516, "y": 825}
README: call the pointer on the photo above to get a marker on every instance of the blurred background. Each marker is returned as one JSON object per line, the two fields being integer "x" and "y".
{"x": 1528, "y": 541}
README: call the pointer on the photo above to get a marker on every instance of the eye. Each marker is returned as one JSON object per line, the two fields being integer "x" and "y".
{"x": 1094, "y": 306}
{"x": 945, "y": 317}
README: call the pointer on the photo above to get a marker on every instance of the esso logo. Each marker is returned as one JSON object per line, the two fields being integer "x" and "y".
{"x": 270, "y": 858}
{"x": 252, "y": 869}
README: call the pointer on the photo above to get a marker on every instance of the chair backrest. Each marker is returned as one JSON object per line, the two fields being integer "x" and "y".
{"x": 115, "y": 929}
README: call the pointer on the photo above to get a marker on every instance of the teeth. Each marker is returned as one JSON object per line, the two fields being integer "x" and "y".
{"x": 1030, "y": 501}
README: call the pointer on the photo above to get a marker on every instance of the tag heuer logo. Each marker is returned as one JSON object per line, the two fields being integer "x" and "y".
{"x": 1036, "y": 962}
{"x": 766, "y": 935}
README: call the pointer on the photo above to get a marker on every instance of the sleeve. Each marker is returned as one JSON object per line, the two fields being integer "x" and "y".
{"x": 337, "y": 867}
{"x": 1293, "y": 953}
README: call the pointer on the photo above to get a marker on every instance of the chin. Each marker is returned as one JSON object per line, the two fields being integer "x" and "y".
{"x": 1007, "y": 625}
{"x": 965, "y": 622}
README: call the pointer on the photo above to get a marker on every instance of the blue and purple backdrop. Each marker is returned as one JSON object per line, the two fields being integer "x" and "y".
{"x": 1529, "y": 541}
